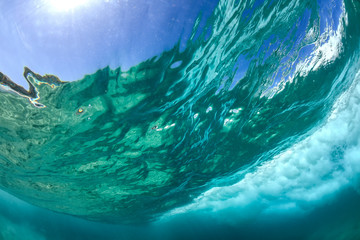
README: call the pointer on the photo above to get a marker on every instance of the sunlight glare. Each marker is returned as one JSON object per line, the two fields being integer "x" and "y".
{"x": 67, "y": 5}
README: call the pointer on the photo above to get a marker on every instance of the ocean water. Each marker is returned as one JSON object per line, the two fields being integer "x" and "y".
{"x": 248, "y": 131}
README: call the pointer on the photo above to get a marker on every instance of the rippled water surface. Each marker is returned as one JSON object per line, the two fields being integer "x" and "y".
{"x": 257, "y": 116}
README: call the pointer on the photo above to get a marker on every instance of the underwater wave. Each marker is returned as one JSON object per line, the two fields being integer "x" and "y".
{"x": 259, "y": 109}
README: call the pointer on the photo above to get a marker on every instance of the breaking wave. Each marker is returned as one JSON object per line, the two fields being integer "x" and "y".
{"x": 259, "y": 110}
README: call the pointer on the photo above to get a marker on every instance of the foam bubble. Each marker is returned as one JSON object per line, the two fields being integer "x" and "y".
{"x": 328, "y": 47}
{"x": 305, "y": 175}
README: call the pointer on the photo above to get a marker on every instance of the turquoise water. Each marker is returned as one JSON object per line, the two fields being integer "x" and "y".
{"x": 256, "y": 119}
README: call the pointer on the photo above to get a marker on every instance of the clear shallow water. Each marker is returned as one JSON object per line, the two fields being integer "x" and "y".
{"x": 255, "y": 120}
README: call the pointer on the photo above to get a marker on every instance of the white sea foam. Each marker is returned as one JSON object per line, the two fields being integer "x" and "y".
{"x": 328, "y": 47}
{"x": 305, "y": 175}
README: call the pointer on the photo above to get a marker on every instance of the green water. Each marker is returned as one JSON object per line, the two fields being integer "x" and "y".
{"x": 128, "y": 146}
